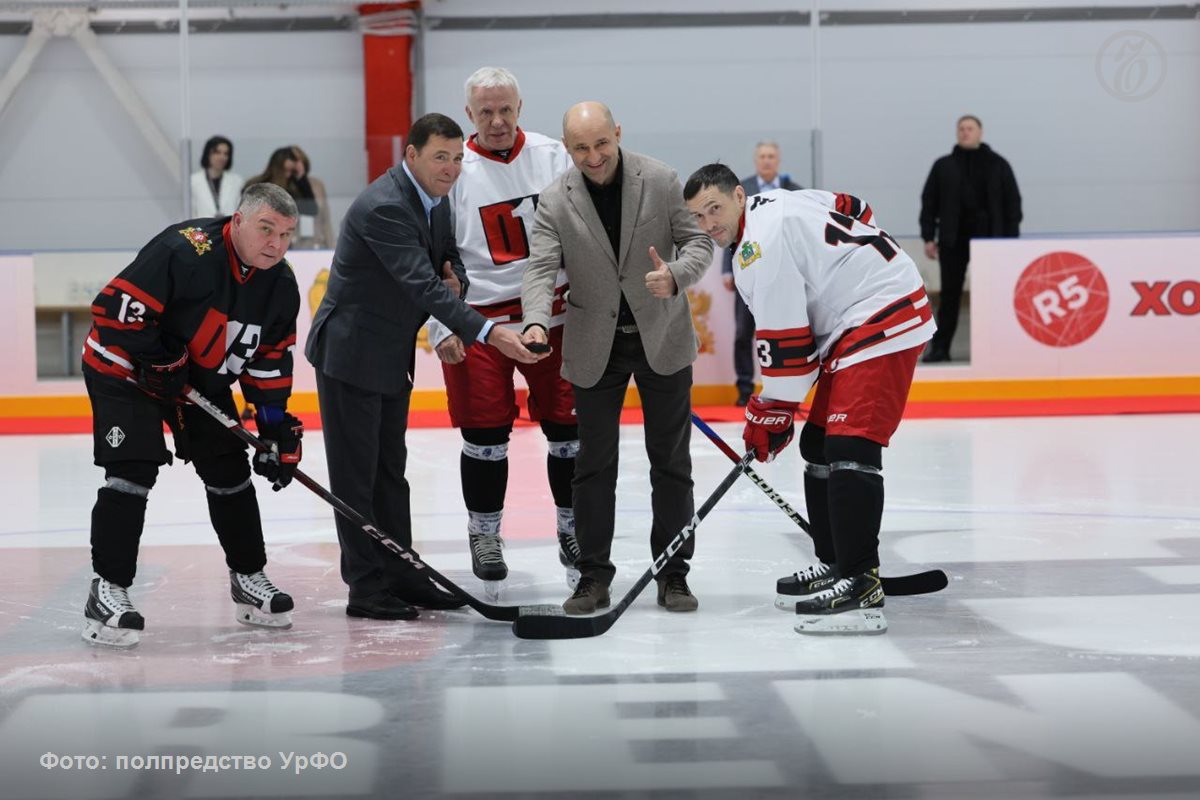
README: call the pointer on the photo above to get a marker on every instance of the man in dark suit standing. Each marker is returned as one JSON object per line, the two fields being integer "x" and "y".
{"x": 384, "y": 284}
{"x": 969, "y": 194}
{"x": 766, "y": 177}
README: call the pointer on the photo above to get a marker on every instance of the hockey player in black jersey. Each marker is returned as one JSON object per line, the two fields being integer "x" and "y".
{"x": 206, "y": 303}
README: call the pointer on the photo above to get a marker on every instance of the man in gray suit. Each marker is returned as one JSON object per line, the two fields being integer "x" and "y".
{"x": 606, "y": 222}
{"x": 383, "y": 285}
{"x": 766, "y": 177}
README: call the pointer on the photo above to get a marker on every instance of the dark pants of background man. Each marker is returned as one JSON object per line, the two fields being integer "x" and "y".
{"x": 952, "y": 263}
{"x": 666, "y": 407}
{"x": 364, "y": 447}
{"x": 743, "y": 346}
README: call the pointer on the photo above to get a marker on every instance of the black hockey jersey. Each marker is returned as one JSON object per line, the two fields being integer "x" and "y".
{"x": 188, "y": 288}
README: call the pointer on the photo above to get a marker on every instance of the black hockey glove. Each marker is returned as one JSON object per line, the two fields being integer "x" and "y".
{"x": 163, "y": 376}
{"x": 283, "y": 432}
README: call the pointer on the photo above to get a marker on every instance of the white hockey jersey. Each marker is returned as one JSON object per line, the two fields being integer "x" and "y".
{"x": 492, "y": 204}
{"x": 828, "y": 289}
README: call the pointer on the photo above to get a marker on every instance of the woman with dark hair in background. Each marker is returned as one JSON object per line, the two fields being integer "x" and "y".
{"x": 281, "y": 170}
{"x": 215, "y": 190}
{"x": 315, "y": 231}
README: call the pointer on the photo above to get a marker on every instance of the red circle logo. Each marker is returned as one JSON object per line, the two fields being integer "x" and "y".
{"x": 1061, "y": 299}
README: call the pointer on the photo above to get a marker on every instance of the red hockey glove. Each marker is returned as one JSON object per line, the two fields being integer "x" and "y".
{"x": 284, "y": 433}
{"x": 163, "y": 376}
{"x": 770, "y": 426}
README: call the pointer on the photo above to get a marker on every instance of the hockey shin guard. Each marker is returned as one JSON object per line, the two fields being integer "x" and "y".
{"x": 855, "y": 501}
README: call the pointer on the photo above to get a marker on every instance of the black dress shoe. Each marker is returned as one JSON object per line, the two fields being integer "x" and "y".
{"x": 420, "y": 591}
{"x": 381, "y": 605}
{"x": 743, "y": 398}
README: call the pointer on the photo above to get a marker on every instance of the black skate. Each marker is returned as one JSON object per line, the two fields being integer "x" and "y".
{"x": 568, "y": 554}
{"x": 852, "y": 606}
{"x": 798, "y": 585}
{"x": 110, "y": 618}
{"x": 487, "y": 558}
{"x": 259, "y": 602}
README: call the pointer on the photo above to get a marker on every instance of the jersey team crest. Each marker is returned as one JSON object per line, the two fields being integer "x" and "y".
{"x": 750, "y": 252}
{"x": 199, "y": 240}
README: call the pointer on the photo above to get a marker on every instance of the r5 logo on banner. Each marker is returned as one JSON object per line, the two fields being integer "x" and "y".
{"x": 1068, "y": 292}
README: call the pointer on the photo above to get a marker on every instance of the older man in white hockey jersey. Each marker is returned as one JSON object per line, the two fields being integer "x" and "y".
{"x": 504, "y": 169}
{"x": 837, "y": 302}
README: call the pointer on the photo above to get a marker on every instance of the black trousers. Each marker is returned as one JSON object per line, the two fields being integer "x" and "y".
{"x": 743, "y": 345}
{"x": 366, "y": 453}
{"x": 952, "y": 263}
{"x": 666, "y": 406}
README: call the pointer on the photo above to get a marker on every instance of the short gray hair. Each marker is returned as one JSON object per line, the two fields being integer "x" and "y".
{"x": 491, "y": 78}
{"x": 268, "y": 194}
{"x": 767, "y": 143}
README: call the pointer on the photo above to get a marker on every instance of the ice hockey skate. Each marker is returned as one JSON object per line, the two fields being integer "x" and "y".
{"x": 111, "y": 619}
{"x": 852, "y": 606}
{"x": 259, "y": 602}
{"x": 568, "y": 552}
{"x": 805, "y": 583}
{"x": 487, "y": 556}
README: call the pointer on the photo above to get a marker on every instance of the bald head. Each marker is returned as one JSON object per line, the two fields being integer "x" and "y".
{"x": 593, "y": 139}
{"x": 587, "y": 113}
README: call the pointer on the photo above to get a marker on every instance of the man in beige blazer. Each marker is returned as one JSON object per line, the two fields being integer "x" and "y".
{"x": 610, "y": 222}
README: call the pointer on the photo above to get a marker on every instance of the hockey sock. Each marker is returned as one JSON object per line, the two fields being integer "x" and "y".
{"x": 233, "y": 509}
{"x": 855, "y": 501}
{"x": 816, "y": 491}
{"x": 484, "y": 467}
{"x": 117, "y": 521}
{"x": 560, "y": 470}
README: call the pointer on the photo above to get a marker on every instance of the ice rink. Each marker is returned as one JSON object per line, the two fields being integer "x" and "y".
{"x": 1062, "y": 660}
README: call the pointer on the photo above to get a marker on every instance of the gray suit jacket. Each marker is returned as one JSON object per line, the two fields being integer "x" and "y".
{"x": 567, "y": 233}
{"x": 384, "y": 283}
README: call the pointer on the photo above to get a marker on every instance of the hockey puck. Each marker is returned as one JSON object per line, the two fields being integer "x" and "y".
{"x": 538, "y": 347}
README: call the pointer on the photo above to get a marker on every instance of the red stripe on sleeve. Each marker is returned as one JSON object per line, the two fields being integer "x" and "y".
{"x": 136, "y": 293}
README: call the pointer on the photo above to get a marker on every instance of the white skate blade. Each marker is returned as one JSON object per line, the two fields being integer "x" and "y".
{"x": 252, "y": 615}
{"x": 787, "y": 602}
{"x": 493, "y": 589}
{"x": 100, "y": 634}
{"x": 859, "y": 622}
{"x": 572, "y": 578}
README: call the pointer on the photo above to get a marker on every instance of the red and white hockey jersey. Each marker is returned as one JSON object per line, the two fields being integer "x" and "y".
{"x": 828, "y": 289}
{"x": 493, "y": 202}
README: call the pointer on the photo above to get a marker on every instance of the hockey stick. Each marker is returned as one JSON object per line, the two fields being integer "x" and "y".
{"x": 538, "y": 626}
{"x": 928, "y": 582}
{"x": 499, "y": 613}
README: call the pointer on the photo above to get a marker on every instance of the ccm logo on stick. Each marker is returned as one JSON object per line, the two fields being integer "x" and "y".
{"x": 1182, "y": 298}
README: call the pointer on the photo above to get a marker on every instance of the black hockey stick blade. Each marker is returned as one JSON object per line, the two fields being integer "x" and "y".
{"x": 560, "y": 626}
{"x": 492, "y": 612}
{"x": 918, "y": 583}
{"x": 927, "y": 582}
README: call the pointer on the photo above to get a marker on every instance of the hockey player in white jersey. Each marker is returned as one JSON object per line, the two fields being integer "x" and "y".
{"x": 504, "y": 169}
{"x": 836, "y": 302}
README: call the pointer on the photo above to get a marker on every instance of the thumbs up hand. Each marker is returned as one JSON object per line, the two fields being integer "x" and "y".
{"x": 659, "y": 281}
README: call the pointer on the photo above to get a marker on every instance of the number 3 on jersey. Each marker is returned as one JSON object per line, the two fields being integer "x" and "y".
{"x": 504, "y": 228}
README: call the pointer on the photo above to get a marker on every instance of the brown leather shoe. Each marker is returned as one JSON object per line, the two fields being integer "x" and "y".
{"x": 589, "y": 596}
{"x": 674, "y": 594}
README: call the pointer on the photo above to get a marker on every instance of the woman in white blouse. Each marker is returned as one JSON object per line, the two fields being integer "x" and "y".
{"x": 215, "y": 190}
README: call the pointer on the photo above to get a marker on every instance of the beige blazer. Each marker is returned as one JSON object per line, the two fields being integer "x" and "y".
{"x": 567, "y": 233}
